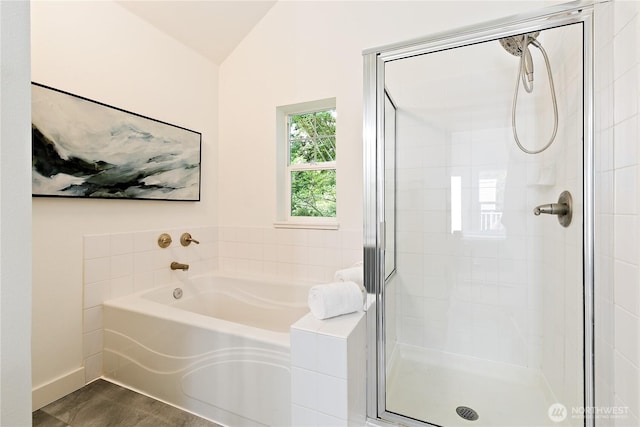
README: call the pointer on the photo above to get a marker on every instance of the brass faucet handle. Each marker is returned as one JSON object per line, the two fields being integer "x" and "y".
{"x": 186, "y": 240}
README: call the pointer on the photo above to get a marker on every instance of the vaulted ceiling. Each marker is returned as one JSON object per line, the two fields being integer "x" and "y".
{"x": 211, "y": 27}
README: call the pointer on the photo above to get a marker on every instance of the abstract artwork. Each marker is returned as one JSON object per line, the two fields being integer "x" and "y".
{"x": 83, "y": 148}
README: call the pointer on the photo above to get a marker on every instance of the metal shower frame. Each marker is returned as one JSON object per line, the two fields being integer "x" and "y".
{"x": 374, "y": 220}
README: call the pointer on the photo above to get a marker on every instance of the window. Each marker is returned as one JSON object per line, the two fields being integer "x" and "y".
{"x": 312, "y": 163}
{"x": 308, "y": 163}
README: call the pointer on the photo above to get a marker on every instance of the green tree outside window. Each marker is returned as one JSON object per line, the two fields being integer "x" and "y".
{"x": 312, "y": 156}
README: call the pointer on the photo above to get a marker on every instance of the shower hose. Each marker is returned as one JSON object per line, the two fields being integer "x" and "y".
{"x": 529, "y": 88}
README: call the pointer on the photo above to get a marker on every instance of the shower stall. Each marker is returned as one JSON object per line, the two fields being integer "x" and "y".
{"x": 479, "y": 224}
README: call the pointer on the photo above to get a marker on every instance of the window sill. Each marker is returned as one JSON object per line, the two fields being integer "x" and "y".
{"x": 312, "y": 225}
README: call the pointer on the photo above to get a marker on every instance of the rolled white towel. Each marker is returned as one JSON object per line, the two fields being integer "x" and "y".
{"x": 351, "y": 274}
{"x": 334, "y": 299}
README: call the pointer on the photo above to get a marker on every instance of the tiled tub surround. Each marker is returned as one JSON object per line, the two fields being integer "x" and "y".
{"x": 220, "y": 351}
{"x": 119, "y": 264}
{"x": 298, "y": 254}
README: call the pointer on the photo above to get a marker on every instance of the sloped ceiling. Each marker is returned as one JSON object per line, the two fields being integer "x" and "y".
{"x": 212, "y": 28}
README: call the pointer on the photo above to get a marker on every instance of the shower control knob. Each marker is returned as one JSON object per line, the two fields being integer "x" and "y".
{"x": 564, "y": 209}
{"x": 552, "y": 209}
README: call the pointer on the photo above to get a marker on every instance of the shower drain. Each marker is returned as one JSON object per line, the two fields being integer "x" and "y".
{"x": 467, "y": 413}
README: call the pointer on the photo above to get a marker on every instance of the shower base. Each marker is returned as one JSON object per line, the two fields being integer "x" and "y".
{"x": 430, "y": 385}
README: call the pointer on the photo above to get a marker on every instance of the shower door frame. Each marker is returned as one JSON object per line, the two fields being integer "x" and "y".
{"x": 578, "y": 12}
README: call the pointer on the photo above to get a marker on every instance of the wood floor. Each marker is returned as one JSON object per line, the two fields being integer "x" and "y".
{"x": 104, "y": 404}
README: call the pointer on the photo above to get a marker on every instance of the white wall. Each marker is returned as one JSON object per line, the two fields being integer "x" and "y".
{"x": 101, "y": 51}
{"x": 15, "y": 216}
{"x": 300, "y": 52}
{"x": 626, "y": 211}
{"x": 305, "y": 51}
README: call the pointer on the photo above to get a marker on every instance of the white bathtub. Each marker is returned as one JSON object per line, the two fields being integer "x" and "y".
{"x": 221, "y": 351}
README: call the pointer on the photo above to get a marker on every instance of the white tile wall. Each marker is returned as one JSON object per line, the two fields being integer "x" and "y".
{"x": 617, "y": 188}
{"x": 605, "y": 160}
{"x": 626, "y": 316}
{"x": 299, "y": 254}
{"x": 452, "y": 288}
{"x": 119, "y": 264}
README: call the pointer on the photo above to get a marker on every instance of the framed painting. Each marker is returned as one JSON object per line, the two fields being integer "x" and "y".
{"x": 84, "y": 148}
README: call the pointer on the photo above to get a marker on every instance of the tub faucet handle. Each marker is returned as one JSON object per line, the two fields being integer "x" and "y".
{"x": 164, "y": 240}
{"x": 179, "y": 266}
{"x": 186, "y": 240}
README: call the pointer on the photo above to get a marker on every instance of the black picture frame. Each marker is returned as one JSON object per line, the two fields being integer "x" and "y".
{"x": 84, "y": 148}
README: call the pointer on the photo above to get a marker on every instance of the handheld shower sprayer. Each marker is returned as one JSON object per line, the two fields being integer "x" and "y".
{"x": 528, "y": 67}
{"x": 518, "y": 45}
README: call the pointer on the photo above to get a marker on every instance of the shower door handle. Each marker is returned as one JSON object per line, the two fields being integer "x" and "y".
{"x": 564, "y": 209}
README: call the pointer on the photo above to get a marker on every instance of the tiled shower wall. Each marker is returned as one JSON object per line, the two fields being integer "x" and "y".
{"x": 491, "y": 296}
{"x": 119, "y": 264}
{"x": 617, "y": 212}
{"x": 460, "y": 292}
{"x": 556, "y": 266}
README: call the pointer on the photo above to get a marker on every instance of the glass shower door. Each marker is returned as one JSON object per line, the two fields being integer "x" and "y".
{"x": 483, "y": 314}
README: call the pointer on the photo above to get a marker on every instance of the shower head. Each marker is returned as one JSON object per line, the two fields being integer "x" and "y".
{"x": 514, "y": 44}
{"x": 519, "y": 46}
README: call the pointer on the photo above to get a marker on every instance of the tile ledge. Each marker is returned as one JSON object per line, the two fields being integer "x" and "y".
{"x": 307, "y": 225}
{"x": 339, "y": 326}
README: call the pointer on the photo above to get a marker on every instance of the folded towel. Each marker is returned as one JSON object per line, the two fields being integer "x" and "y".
{"x": 352, "y": 274}
{"x": 334, "y": 299}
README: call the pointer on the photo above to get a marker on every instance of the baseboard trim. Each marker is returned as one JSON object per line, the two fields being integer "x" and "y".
{"x": 44, "y": 394}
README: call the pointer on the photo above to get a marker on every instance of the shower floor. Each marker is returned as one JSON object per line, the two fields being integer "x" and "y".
{"x": 430, "y": 385}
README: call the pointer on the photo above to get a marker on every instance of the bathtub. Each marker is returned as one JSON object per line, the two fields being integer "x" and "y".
{"x": 220, "y": 351}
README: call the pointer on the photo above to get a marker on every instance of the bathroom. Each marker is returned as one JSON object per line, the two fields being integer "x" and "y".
{"x": 104, "y": 51}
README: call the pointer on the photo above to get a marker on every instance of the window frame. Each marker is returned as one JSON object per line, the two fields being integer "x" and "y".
{"x": 284, "y": 219}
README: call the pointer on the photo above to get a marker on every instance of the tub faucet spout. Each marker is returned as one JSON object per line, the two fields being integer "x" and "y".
{"x": 179, "y": 266}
